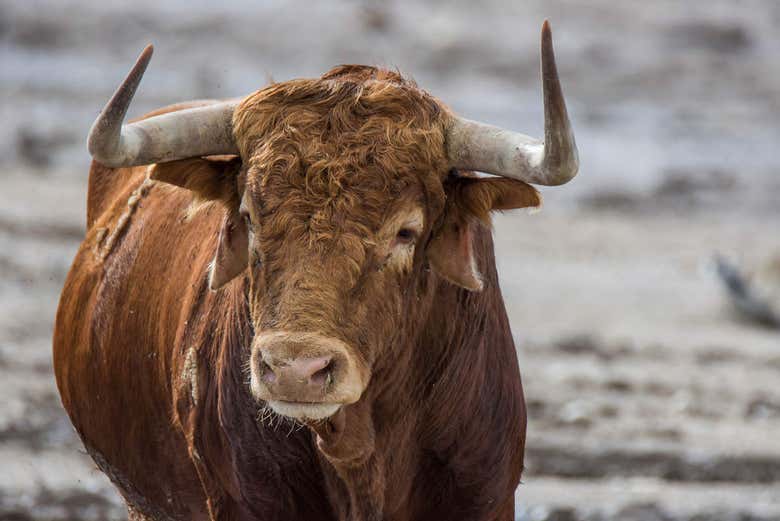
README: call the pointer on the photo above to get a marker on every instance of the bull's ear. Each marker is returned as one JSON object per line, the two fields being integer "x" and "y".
{"x": 469, "y": 203}
{"x": 451, "y": 254}
{"x": 209, "y": 179}
{"x": 214, "y": 179}
{"x": 232, "y": 256}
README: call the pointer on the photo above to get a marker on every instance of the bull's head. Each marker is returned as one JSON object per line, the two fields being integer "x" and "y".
{"x": 343, "y": 206}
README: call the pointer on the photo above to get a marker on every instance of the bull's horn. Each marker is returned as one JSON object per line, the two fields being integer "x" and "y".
{"x": 192, "y": 132}
{"x": 476, "y": 146}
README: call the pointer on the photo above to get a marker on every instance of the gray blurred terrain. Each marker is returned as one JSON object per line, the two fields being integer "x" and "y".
{"x": 647, "y": 399}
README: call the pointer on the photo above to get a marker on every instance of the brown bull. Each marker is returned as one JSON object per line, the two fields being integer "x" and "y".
{"x": 286, "y": 307}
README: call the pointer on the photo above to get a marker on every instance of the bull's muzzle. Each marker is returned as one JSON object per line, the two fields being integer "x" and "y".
{"x": 305, "y": 375}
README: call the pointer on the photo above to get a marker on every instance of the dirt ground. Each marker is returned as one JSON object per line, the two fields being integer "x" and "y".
{"x": 648, "y": 399}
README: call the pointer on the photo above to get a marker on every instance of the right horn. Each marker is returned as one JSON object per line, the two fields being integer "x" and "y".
{"x": 194, "y": 132}
{"x": 476, "y": 146}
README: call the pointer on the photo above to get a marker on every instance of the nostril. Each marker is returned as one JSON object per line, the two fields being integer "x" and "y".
{"x": 324, "y": 377}
{"x": 267, "y": 373}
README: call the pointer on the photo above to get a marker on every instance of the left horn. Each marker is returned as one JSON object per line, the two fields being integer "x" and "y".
{"x": 476, "y": 146}
{"x": 194, "y": 132}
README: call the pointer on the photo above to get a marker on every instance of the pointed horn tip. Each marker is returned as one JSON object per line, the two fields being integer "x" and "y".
{"x": 145, "y": 56}
{"x": 546, "y": 36}
{"x": 143, "y": 59}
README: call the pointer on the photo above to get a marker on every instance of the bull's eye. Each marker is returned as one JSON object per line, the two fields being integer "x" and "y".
{"x": 405, "y": 236}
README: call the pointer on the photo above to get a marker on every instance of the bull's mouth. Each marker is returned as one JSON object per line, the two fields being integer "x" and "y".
{"x": 304, "y": 410}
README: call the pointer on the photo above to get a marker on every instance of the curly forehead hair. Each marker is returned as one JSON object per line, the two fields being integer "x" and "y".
{"x": 357, "y": 126}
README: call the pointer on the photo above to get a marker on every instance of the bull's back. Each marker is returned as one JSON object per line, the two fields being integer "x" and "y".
{"x": 117, "y": 344}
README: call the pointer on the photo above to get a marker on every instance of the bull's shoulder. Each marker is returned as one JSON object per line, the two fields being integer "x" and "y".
{"x": 106, "y": 184}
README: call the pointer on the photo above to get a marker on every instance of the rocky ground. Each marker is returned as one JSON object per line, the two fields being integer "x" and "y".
{"x": 648, "y": 399}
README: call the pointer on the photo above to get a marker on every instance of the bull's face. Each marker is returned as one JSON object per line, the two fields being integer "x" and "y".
{"x": 345, "y": 209}
{"x": 334, "y": 265}
{"x": 337, "y": 202}
{"x": 332, "y": 299}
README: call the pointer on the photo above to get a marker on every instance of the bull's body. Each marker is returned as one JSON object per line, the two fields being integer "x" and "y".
{"x": 151, "y": 368}
{"x": 309, "y": 326}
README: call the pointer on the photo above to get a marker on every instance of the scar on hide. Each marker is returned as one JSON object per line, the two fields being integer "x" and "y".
{"x": 189, "y": 373}
{"x": 124, "y": 220}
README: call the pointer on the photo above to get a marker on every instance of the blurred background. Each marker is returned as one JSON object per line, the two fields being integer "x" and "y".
{"x": 649, "y": 399}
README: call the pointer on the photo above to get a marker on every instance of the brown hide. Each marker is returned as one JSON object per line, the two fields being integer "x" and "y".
{"x": 152, "y": 368}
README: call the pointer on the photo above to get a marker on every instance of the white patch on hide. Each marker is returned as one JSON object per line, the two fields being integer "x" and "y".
{"x": 189, "y": 373}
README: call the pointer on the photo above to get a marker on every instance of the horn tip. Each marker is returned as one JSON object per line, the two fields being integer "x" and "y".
{"x": 546, "y": 34}
{"x": 145, "y": 55}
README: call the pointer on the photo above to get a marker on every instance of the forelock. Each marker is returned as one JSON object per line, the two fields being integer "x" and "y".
{"x": 356, "y": 125}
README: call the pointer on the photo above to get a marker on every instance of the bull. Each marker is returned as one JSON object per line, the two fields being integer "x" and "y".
{"x": 286, "y": 307}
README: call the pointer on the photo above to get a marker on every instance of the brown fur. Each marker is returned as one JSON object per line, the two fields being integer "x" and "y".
{"x": 153, "y": 367}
